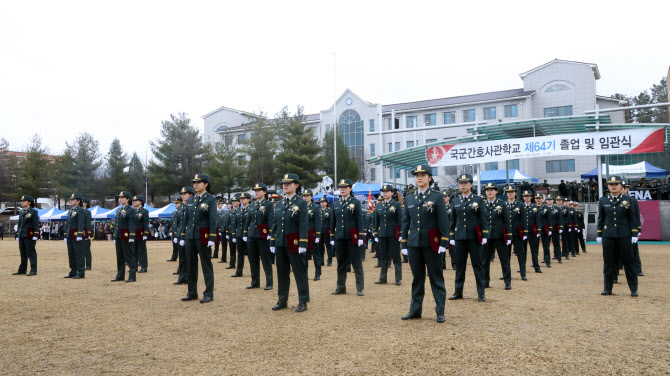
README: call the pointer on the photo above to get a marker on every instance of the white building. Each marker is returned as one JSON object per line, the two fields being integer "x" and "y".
{"x": 557, "y": 88}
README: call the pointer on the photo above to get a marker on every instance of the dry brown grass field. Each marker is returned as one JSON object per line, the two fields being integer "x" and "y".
{"x": 555, "y": 323}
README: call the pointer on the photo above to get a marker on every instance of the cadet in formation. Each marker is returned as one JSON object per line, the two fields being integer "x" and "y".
{"x": 424, "y": 237}
{"x": 636, "y": 249}
{"x": 289, "y": 243}
{"x": 556, "y": 224}
{"x": 565, "y": 242}
{"x": 174, "y": 229}
{"x": 74, "y": 230}
{"x": 182, "y": 270}
{"x": 139, "y": 232}
{"x": 323, "y": 232}
{"x": 199, "y": 224}
{"x": 579, "y": 223}
{"x": 514, "y": 210}
{"x": 124, "y": 251}
{"x": 545, "y": 229}
{"x": 531, "y": 222}
{"x": 500, "y": 231}
{"x": 231, "y": 230}
{"x": 386, "y": 222}
{"x": 259, "y": 223}
{"x": 240, "y": 238}
{"x": 371, "y": 233}
{"x": 348, "y": 231}
{"x": 219, "y": 214}
{"x": 617, "y": 231}
{"x": 27, "y": 234}
{"x": 88, "y": 229}
{"x": 446, "y": 196}
{"x": 570, "y": 220}
{"x": 223, "y": 229}
{"x": 312, "y": 212}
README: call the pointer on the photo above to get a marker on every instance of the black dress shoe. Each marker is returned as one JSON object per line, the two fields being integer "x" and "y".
{"x": 78, "y": 277}
{"x": 524, "y": 278}
{"x": 544, "y": 262}
{"x": 548, "y": 266}
{"x": 378, "y": 266}
{"x": 360, "y": 293}
{"x": 380, "y": 282}
{"x": 253, "y": 287}
{"x": 175, "y": 273}
{"x": 560, "y": 262}
{"x": 398, "y": 283}
{"x": 508, "y": 287}
{"x": 487, "y": 286}
{"x": 553, "y": 258}
{"x": 411, "y": 316}
{"x": 117, "y": 279}
{"x": 267, "y": 288}
{"x": 456, "y": 296}
{"x": 179, "y": 283}
{"x": 440, "y": 319}
{"x": 31, "y": 273}
{"x": 302, "y": 307}
{"x": 88, "y": 268}
{"x": 143, "y": 270}
{"x": 18, "y": 273}
{"x": 68, "y": 276}
{"x": 501, "y": 278}
{"x": 538, "y": 271}
{"x": 230, "y": 267}
{"x": 640, "y": 274}
{"x": 606, "y": 292}
{"x": 481, "y": 298}
{"x": 222, "y": 261}
{"x": 279, "y": 306}
{"x": 189, "y": 297}
{"x": 170, "y": 260}
{"x": 206, "y": 299}
{"x": 616, "y": 281}
{"x": 317, "y": 277}
{"x": 236, "y": 275}
{"x": 634, "y": 294}
{"x": 130, "y": 280}
{"x": 339, "y": 292}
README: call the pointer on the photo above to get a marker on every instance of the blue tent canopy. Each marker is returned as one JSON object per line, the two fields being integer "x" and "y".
{"x": 500, "y": 177}
{"x": 330, "y": 197}
{"x": 165, "y": 212}
{"x": 364, "y": 189}
{"x": 642, "y": 169}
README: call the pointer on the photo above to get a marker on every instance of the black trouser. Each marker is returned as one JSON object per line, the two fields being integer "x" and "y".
{"x": 582, "y": 243}
{"x": 140, "y": 248}
{"x": 546, "y": 247}
{"x": 572, "y": 236}
{"x": 389, "y": 248}
{"x": 420, "y": 260}
{"x": 216, "y": 250}
{"x": 613, "y": 249}
{"x": 636, "y": 258}
{"x": 224, "y": 248}
{"x": 348, "y": 254}
{"x": 565, "y": 243}
{"x": 88, "y": 261}
{"x": 318, "y": 258}
{"x": 233, "y": 250}
{"x": 556, "y": 240}
{"x": 325, "y": 242}
{"x": 75, "y": 254}
{"x": 195, "y": 249}
{"x": 490, "y": 248}
{"x": 175, "y": 249}
{"x": 451, "y": 256}
{"x": 125, "y": 255}
{"x": 363, "y": 248}
{"x": 287, "y": 261}
{"x": 241, "y": 250}
{"x": 259, "y": 249}
{"x": 28, "y": 252}
{"x": 181, "y": 268}
{"x": 474, "y": 249}
{"x": 534, "y": 242}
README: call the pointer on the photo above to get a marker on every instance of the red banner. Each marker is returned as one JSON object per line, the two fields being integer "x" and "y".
{"x": 650, "y": 217}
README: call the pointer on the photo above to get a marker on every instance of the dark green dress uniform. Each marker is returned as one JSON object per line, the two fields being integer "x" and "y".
{"x": 240, "y": 233}
{"x": 545, "y": 238}
{"x": 387, "y": 221}
{"x": 347, "y": 229}
{"x": 565, "y": 242}
{"x": 514, "y": 211}
{"x": 468, "y": 217}
{"x": 323, "y": 232}
{"x": 182, "y": 269}
{"x": 556, "y": 223}
{"x": 175, "y": 234}
{"x": 124, "y": 250}
{"x": 532, "y": 225}
{"x": 199, "y": 224}
{"x": 222, "y": 222}
{"x": 28, "y": 230}
{"x": 617, "y": 226}
{"x": 312, "y": 212}
{"x": 219, "y": 213}
{"x": 259, "y": 224}
{"x": 570, "y": 219}
{"x": 289, "y": 233}
{"x": 500, "y": 229}
{"x": 231, "y": 231}
{"x": 580, "y": 226}
{"x": 375, "y": 244}
{"x": 88, "y": 230}
{"x": 74, "y": 230}
{"x": 139, "y": 229}
{"x": 425, "y": 228}
{"x": 636, "y": 249}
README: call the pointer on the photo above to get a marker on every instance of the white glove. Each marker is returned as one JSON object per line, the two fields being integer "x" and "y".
{"x": 65, "y": 240}
{"x": 144, "y": 238}
{"x": 578, "y": 230}
{"x": 376, "y": 240}
{"x": 78, "y": 238}
{"x": 404, "y": 251}
{"x": 509, "y": 242}
{"x": 452, "y": 242}
{"x": 114, "y": 241}
{"x": 560, "y": 231}
{"x": 228, "y": 237}
{"x": 317, "y": 240}
{"x": 639, "y": 235}
{"x": 17, "y": 239}
{"x": 549, "y": 233}
{"x": 599, "y": 239}
{"x": 525, "y": 237}
{"x": 269, "y": 237}
{"x": 234, "y": 240}
{"x": 441, "y": 250}
{"x": 210, "y": 243}
{"x": 175, "y": 240}
{"x": 181, "y": 243}
{"x": 633, "y": 239}
{"x": 569, "y": 230}
{"x": 332, "y": 242}
{"x": 244, "y": 238}
{"x": 538, "y": 235}
{"x": 360, "y": 242}
{"x": 34, "y": 237}
{"x": 302, "y": 250}
{"x": 484, "y": 240}
{"x": 272, "y": 249}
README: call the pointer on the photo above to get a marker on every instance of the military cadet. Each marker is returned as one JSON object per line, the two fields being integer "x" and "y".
{"x": 289, "y": 243}
{"x": 124, "y": 250}
{"x": 579, "y": 225}
{"x": 348, "y": 230}
{"x": 555, "y": 223}
{"x": 514, "y": 210}
{"x": 259, "y": 224}
{"x": 199, "y": 224}
{"x": 424, "y": 237}
{"x": 223, "y": 230}
{"x": 219, "y": 214}
{"x": 274, "y": 198}
{"x": 469, "y": 231}
{"x": 312, "y": 211}
{"x": 182, "y": 270}
{"x": 139, "y": 232}
{"x": 174, "y": 229}
{"x": 323, "y": 231}
{"x": 500, "y": 231}
{"x": 231, "y": 231}
{"x": 375, "y": 245}
{"x": 545, "y": 229}
{"x": 532, "y": 223}
{"x": 240, "y": 238}
{"x": 636, "y": 249}
{"x": 27, "y": 233}
{"x": 387, "y": 219}
{"x": 563, "y": 213}
{"x": 446, "y": 196}
{"x": 570, "y": 218}
{"x": 74, "y": 226}
{"x": 617, "y": 231}
{"x": 88, "y": 229}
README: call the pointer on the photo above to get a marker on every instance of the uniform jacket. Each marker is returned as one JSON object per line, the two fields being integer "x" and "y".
{"x": 554, "y": 217}
{"x": 616, "y": 217}
{"x": 466, "y": 214}
{"x": 28, "y": 219}
{"x": 259, "y": 213}
{"x": 200, "y": 217}
{"x": 385, "y": 218}
{"x": 88, "y": 223}
{"x": 75, "y": 223}
{"x": 177, "y": 215}
{"x": 530, "y": 215}
{"x": 139, "y": 221}
{"x": 347, "y": 215}
{"x": 239, "y": 220}
{"x": 290, "y": 217}
{"x": 323, "y": 222}
{"x": 422, "y": 213}
{"x": 122, "y": 222}
{"x": 498, "y": 219}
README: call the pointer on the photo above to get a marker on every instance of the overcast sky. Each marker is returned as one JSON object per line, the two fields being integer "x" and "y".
{"x": 117, "y": 69}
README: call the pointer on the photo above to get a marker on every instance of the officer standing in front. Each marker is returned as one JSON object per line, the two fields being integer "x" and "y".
{"x": 617, "y": 231}
{"x": 124, "y": 250}
{"x": 139, "y": 225}
{"x": 289, "y": 243}
{"x": 636, "y": 214}
{"x": 387, "y": 219}
{"x": 469, "y": 231}
{"x": 76, "y": 221}
{"x": 88, "y": 229}
{"x": 424, "y": 237}
{"x": 259, "y": 223}
{"x": 500, "y": 231}
{"x": 514, "y": 210}
{"x": 199, "y": 224}
{"x": 27, "y": 233}
{"x": 348, "y": 231}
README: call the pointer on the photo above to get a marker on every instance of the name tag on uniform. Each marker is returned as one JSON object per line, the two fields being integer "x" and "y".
{"x": 410, "y": 206}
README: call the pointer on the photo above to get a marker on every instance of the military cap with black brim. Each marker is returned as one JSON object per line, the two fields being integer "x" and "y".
{"x": 86, "y": 200}
{"x": 323, "y": 199}
{"x": 550, "y": 197}
{"x": 387, "y": 187}
{"x": 76, "y": 196}
{"x": 125, "y": 194}
{"x": 260, "y": 187}
{"x": 490, "y": 186}
{"x": 346, "y": 183}
{"x": 245, "y": 195}
{"x": 177, "y": 201}
{"x": 307, "y": 192}
{"x": 290, "y": 178}
{"x": 235, "y": 198}
{"x": 614, "y": 180}
{"x": 138, "y": 198}
{"x": 187, "y": 190}
{"x": 200, "y": 178}
{"x": 423, "y": 169}
{"x": 465, "y": 178}
{"x": 27, "y": 198}
{"x": 527, "y": 193}
{"x": 510, "y": 189}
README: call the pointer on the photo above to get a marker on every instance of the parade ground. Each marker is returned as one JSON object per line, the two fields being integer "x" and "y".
{"x": 555, "y": 323}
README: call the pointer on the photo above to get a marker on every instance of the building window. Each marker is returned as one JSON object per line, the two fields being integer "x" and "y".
{"x": 556, "y": 88}
{"x": 430, "y": 119}
{"x": 411, "y": 121}
{"x": 327, "y": 128}
{"x": 468, "y": 115}
{"x": 449, "y": 117}
{"x": 390, "y": 147}
{"x": 410, "y": 144}
{"x": 489, "y": 113}
{"x": 397, "y": 172}
{"x": 564, "y": 165}
{"x": 372, "y": 150}
{"x": 373, "y": 174}
{"x": 397, "y": 123}
{"x": 351, "y": 128}
{"x": 513, "y": 164}
{"x": 490, "y": 166}
{"x": 241, "y": 137}
{"x": 372, "y": 125}
{"x": 511, "y": 111}
{"x": 388, "y": 124}
{"x": 431, "y": 140}
{"x": 558, "y": 111}
{"x": 397, "y": 146}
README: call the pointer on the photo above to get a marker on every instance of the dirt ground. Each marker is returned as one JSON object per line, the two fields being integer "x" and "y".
{"x": 555, "y": 323}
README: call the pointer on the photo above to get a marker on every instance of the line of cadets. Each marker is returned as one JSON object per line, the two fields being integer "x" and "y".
{"x": 293, "y": 230}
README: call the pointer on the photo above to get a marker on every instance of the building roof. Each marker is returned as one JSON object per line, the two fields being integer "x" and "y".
{"x": 594, "y": 67}
{"x": 462, "y": 99}
{"x": 232, "y": 110}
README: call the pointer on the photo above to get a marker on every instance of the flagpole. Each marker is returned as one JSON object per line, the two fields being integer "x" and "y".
{"x": 334, "y": 125}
